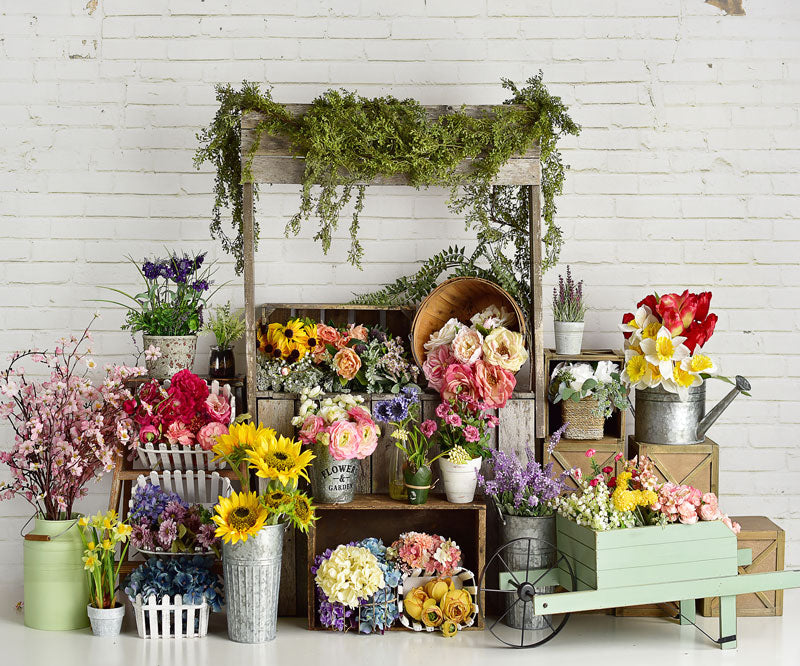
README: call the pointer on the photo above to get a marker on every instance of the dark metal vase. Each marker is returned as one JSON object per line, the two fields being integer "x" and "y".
{"x": 221, "y": 364}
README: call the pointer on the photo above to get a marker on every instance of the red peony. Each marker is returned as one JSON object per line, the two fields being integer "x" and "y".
{"x": 187, "y": 387}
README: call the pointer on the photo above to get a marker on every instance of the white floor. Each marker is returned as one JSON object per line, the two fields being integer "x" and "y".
{"x": 593, "y": 640}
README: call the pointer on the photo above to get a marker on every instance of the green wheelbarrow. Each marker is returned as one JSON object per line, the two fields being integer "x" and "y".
{"x": 534, "y": 586}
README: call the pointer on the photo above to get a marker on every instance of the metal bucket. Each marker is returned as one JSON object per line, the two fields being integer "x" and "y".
{"x": 252, "y": 571}
{"x": 662, "y": 418}
{"x": 542, "y": 555}
{"x": 56, "y": 592}
{"x": 333, "y": 481}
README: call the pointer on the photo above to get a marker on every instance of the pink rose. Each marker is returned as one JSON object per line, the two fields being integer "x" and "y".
{"x": 709, "y": 512}
{"x": 435, "y": 365}
{"x": 710, "y": 498}
{"x": 359, "y": 414}
{"x": 344, "y": 440}
{"x": 328, "y": 335}
{"x": 218, "y": 408}
{"x": 207, "y": 436}
{"x": 178, "y": 433}
{"x": 312, "y": 426}
{"x": 467, "y": 346}
{"x": 459, "y": 380}
{"x": 495, "y": 385}
{"x": 589, "y": 453}
{"x": 149, "y": 433}
{"x": 369, "y": 438}
{"x": 357, "y": 332}
{"x": 428, "y": 427}
{"x": 736, "y": 527}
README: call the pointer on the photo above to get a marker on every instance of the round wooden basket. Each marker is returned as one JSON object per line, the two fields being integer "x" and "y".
{"x": 582, "y": 422}
{"x": 460, "y": 297}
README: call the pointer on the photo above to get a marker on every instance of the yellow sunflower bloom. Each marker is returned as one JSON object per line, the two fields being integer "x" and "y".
{"x": 312, "y": 341}
{"x": 303, "y": 512}
{"x": 295, "y": 332}
{"x": 293, "y": 351}
{"x": 240, "y": 437}
{"x": 276, "y": 499}
{"x": 238, "y": 517}
{"x": 269, "y": 338}
{"x": 279, "y": 459}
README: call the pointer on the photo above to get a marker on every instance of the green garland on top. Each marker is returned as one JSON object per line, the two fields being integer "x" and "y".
{"x": 347, "y": 139}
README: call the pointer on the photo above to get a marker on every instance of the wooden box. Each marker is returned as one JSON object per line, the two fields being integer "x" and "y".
{"x": 382, "y": 517}
{"x": 767, "y": 542}
{"x": 571, "y": 453}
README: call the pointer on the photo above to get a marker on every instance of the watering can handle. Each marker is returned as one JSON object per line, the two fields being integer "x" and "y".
{"x": 43, "y": 537}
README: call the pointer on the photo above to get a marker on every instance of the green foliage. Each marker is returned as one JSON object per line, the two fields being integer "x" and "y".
{"x": 347, "y": 140}
{"x": 226, "y": 326}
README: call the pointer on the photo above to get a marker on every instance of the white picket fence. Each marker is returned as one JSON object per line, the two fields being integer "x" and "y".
{"x": 170, "y": 618}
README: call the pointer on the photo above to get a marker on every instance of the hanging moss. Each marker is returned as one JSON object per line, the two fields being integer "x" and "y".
{"x": 347, "y": 139}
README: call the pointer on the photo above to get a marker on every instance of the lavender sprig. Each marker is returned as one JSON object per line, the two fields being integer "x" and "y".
{"x": 568, "y": 301}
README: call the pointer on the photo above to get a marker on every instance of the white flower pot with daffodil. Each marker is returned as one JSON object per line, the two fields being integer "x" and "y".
{"x": 665, "y": 366}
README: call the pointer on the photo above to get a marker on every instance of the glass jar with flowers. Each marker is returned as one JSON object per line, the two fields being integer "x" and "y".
{"x": 413, "y": 439}
{"x": 101, "y": 534}
{"x": 569, "y": 309}
{"x": 523, "y": 494}
{"x": 252, "y": 524}
{"x": 227, "y": 327}
{"x": 68, "y": 430}
{"x": 589, "y": 393}
{"x": 169, "y": 312}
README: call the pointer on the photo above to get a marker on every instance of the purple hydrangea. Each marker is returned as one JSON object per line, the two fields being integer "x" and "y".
{"x": 149, "y": 501}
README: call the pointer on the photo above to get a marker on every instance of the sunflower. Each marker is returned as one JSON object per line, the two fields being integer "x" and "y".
{"x": 238, "y": 517}
{"x": 240, "y": 437}
{"x": 279, "y": 459}
{"x": 268, "y": 338}
{"x": 303, "y": 512}
{"x": 276, "y": 499}
{"x": 295, "y": 332}
{"x": 293, "y": 352}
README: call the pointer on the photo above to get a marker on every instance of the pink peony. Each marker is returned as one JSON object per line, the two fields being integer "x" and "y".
{"x": 471, "y": 434}
{"x": 369, "y": 438}
{"x": 218, "y": 408}
{"x": 149, "y": 433}
{"x": 687, "y": 513}
{"x": 435, "y": 365}
{"x": 207, "y": 436}
{"x": 344, "y": 440}
{"x": 178, "y": 433}
{"x": 459, "y": 380}
{"x": 428, "y": 427}
{"x": 357, "y": 332}
{"x": 467, "y": 346}
{"x": 312, "y": 426}
{"x": 495, "y": 384}
{"x": 710, "y": 512}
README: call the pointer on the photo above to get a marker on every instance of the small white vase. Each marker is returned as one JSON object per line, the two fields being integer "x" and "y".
{"x": 569, "y": 335}
{"x": 460, "y": 481}
{"x": 106, "y": 621}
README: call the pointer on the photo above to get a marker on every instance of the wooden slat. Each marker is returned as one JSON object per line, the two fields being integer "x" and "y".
{"x": 248, "y": 240}
{"x": 517, "y": 427}
{"x": 535, "y": 315}
{"x": 635, "y": 537}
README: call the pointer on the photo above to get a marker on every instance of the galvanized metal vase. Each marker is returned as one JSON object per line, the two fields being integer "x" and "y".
{"x": 542, "y": 555}
{"x": 333, "y": 481}
{"x": 252, "y": 571}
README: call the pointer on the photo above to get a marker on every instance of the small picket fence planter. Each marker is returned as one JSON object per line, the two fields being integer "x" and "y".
{"x": 462, "y": 578}
{"x": 170, "y": 618}
{"x": 176, "y": 457}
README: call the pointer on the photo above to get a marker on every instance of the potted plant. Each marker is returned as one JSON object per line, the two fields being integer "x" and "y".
{"x": 569, "y": 309}
{"x": 100, "y": 535}
{"x": 169, "y": 312}
{"x": 252, "y": 525}
{"x": 588, "y": 393}
{"x": 412, "y": 438}
{"x": 523, "y": 494}
{"x": 227, "y": 327}
{"x": 172, "y": 597}
{"x": 68, "y": 430}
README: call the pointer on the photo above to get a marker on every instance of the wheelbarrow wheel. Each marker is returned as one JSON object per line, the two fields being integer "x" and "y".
{"x": 521, "y": 593}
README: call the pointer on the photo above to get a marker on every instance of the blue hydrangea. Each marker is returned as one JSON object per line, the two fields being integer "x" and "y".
{"x": 190, "y": 577}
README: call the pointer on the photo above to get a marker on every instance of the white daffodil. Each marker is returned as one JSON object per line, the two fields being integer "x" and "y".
{"x": 684, "y": 380}
{"x": 636, "y": 373}
{"x": 664, "y": 351}
{"x": 700, "y": 363}
{"x": 642, "y": 319}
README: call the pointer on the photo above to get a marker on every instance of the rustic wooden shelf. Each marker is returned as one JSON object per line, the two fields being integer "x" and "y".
{"x": 382, "y": 517}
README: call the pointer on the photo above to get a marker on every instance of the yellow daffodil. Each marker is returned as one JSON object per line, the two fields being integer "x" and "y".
{"x": 636, "y": 372}
{"x": 240, "y": 437}
{"x": 699, "y": 363}
{"x": 90, "y": 562}
{"x": 108, "y": 544}
{"x": 238, "y": 517}
{"x": 123, "y": 531}
{"x": 279, "y": 459}
{"x": 83, "y": 521}
{"x": 641, "y": 320}
{"x": 684, "y": 380}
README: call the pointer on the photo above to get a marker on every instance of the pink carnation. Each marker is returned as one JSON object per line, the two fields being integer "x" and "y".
{"x": 453, "y": 420}
{"x": 178, "y": 433}
{"x": 207, "y": 436}
{"x": 442, "y": 410}
{"x": 428, "y": 427}
{"x": 471, "y": 434}
{"x": 435, "y": 366}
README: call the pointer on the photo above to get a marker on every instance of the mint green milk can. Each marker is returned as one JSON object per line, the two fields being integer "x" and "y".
{"x": 56, "y": 588}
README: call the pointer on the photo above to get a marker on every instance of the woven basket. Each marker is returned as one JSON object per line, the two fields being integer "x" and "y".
{"x": 460, "y": 297}
{"x": 582, "y": 422}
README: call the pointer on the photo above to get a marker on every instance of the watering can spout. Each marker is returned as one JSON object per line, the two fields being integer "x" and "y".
{"x": 708, "y": 420}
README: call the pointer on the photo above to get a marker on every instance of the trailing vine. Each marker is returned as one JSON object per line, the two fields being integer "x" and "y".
{"x": 347, "y": 140}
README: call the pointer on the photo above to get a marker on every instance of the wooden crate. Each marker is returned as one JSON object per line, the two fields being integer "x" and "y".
{"x": 382, "y": 517}
{"x": 693, "y": 464}
{"x": 767, "y": 542}
{"x": 571, "y": 453}
{"x": 397, "y": 320}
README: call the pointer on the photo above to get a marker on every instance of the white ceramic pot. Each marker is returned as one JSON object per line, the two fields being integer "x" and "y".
{"x": 177, "y": 353}
{"x": 569, "y": 335}
{"x": 460, "y": 481}
{"x": 106, "y": 621}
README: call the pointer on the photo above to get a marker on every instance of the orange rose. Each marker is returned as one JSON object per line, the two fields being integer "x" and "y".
{"x": 328, "y": 335}
{"x": 346, "y": 363}
{"x": 357, "y": 332}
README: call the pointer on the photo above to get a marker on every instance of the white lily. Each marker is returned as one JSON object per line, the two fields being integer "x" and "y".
{"x": 664, "y": 350}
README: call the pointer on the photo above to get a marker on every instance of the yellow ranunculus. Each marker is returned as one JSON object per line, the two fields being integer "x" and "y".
{"x": 449, "y": 628}
{"x": 456, "y": 605}
{"x": 505, "y": 348}
{"x": 414, "y": 601}
{"x": 436, "y": 588}
{"x": 431, "y": 613}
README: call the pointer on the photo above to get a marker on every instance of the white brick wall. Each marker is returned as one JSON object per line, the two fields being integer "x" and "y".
{"x": 686, "y": 173}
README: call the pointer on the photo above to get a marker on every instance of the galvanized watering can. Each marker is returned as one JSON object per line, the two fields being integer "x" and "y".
{"x": 662, "y": 418}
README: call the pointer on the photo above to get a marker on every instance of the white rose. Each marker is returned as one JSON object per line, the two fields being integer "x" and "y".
{"x": 332, "y": 413}
{"x": 492, "y": 317}
{"x": 603, "y": 372}
{"x": 581, "y": 372}
{"x": 444, "y": 336}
